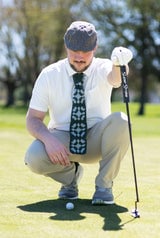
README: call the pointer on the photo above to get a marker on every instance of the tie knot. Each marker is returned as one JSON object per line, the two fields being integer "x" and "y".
{"x": 78, "y": 78}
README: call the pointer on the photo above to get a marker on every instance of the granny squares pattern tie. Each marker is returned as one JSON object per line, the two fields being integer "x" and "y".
{"x": 78, "y": 125}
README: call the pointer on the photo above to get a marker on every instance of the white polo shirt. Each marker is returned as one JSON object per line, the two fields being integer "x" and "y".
{"x": 54, "y": 86}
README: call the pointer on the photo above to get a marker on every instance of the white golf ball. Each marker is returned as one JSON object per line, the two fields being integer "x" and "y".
{"x": 69, "y": 206}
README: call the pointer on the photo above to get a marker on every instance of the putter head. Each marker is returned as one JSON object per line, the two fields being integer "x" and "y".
{"x": 135, "y": 213}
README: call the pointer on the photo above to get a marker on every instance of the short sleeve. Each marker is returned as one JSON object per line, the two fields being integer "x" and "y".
{"x": 39, "y": 98}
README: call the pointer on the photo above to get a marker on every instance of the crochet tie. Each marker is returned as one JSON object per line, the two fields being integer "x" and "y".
{"x": 78, "y": 125}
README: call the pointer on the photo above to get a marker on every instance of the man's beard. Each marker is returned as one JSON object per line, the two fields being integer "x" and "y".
{"x": 73, "y": 67}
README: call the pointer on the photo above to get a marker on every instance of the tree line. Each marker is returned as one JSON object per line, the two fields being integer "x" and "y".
{"x": 31, "y": 34}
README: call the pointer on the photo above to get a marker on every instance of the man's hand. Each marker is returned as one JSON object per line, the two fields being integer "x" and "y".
{"x": 121, "y": 56}
{"x": 56, "y": 151}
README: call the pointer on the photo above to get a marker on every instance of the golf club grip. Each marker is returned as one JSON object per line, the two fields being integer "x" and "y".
{"x": 124, "y": 83}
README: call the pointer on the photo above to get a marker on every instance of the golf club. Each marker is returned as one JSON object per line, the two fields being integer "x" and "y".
{"x": 125, "y": 90}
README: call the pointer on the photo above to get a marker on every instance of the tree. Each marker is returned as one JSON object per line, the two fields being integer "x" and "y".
{"x": 135, "y": 24}
{"x": 39, "y": 27}
{"x": 146, "y": 33}
{"x": 7, "y": 75}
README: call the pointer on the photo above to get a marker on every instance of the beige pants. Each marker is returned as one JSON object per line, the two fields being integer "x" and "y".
{"x": 107, "y": 143}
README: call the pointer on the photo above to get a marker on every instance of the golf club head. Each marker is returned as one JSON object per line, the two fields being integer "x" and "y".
{"x": 135, "y": 213}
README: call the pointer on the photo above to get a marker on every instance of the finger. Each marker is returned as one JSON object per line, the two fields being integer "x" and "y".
{"x": 65, "y": 159}
{"x": 60, "y": 159}
{"x": 54, "y": 160}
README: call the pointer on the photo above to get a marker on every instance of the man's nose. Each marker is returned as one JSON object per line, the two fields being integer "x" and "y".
{"x": 79, "y": 56}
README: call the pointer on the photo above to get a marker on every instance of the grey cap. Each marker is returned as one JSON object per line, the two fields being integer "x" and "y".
{"x": 81, "y": 36}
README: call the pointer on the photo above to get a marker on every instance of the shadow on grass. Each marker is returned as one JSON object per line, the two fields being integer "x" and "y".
{"x": 108, "y": 212}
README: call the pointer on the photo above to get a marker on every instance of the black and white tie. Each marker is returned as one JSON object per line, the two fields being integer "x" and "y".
{"x": 78, "y": 125}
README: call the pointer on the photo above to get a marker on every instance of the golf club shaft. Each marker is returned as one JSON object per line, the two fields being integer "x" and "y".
{"x": 126, "y": 100}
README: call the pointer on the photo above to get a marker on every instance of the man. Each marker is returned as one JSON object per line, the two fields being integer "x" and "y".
{"x": 99, "y": 136}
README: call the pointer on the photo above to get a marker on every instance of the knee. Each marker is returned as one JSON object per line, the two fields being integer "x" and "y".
{"x": 32, "y": 163}
{"x": 120, "y": 119}
{"x": 33, "y": 157}
{"x": 119, "y": 123}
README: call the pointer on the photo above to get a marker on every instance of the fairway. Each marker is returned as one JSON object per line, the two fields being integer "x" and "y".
{"x": 29, "y": 204}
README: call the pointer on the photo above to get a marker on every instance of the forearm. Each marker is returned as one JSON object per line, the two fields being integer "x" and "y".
{"x": 114, "y": 76}
{"x": 37, "y": 129}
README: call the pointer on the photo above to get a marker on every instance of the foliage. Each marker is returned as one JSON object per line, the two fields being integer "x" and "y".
{"x": 39, "y": 27}
{"x": 32, "y": 37}
{"x": 134, "y": 24}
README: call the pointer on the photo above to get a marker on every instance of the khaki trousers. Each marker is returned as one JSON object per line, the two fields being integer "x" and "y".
{"x": 107, "y": 143}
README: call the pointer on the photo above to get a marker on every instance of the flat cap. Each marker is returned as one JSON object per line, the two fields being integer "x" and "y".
{"x": 81, "y": 36}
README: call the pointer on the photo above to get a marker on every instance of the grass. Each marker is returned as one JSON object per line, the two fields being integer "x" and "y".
{"x": 29, "y": 204}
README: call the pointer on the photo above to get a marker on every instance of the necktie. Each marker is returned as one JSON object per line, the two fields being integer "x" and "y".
{"x": 78, "y": 125}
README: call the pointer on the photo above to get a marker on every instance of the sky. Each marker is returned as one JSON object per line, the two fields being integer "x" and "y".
{"x": 5, "y": 2}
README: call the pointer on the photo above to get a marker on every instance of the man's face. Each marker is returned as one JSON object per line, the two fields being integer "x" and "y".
{"x": 80, "y": 60}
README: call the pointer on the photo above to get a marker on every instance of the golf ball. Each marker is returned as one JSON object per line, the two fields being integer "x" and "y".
{"x": 69, "y": 206}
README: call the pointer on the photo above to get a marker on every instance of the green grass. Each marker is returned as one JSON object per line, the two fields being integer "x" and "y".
{"x": 29, "y": 204}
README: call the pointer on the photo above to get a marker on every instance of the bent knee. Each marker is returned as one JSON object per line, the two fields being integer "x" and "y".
{"x": 35, "y": 156}
{"x": 119, "y": 118}
{"x": 120, "y": 124}
{"x": 32, "y": 163}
